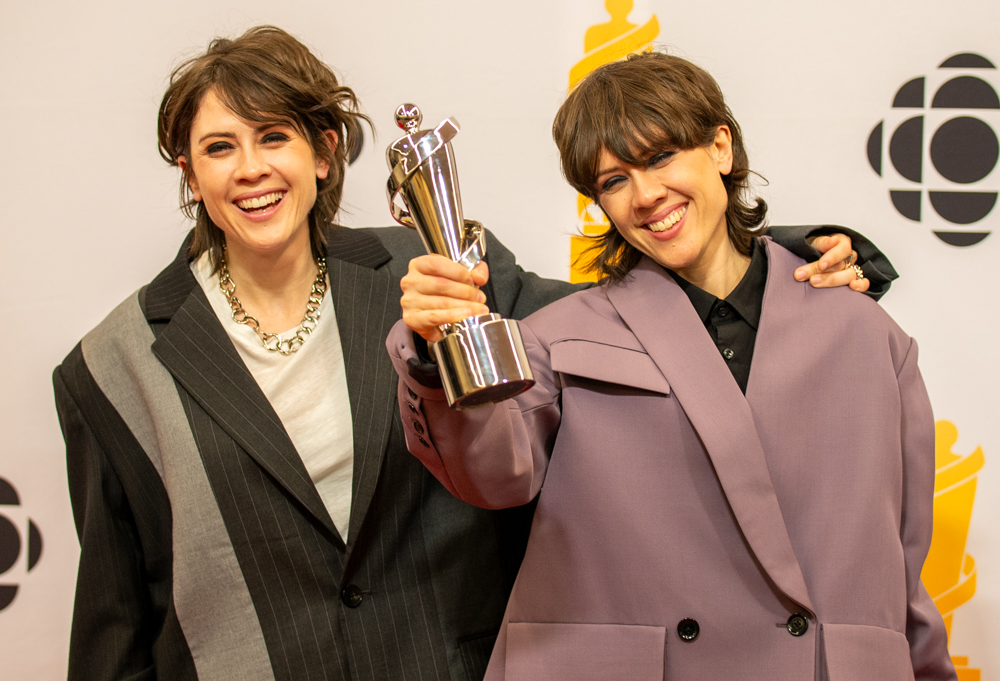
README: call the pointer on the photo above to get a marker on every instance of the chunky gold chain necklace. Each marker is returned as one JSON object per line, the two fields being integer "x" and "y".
{"x": 272, "y": 341}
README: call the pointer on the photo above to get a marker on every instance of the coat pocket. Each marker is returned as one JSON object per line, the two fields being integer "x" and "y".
{"x": 608, "y": 363}
{"x": 859, "y": 651}
{"x": 583, "y": 652}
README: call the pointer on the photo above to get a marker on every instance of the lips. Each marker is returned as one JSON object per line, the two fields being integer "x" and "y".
{"x": 669, "y": 221}
{"x": 259, "y": 204}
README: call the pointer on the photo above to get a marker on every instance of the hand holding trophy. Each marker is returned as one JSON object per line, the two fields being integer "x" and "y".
{"x": 481, "y": 359}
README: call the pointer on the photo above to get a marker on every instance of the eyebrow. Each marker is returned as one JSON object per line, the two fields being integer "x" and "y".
{"x": 226, "y": 135}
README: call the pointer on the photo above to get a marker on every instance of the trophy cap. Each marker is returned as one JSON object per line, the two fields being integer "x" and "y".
{"x": 416, "y": 146}
{"x": 408, "y": 117}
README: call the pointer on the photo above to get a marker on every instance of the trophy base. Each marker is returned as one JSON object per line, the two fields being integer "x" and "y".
{"x": 481, "y": 361}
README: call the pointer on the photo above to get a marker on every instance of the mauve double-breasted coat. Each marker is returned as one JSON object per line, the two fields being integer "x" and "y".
{"x": 670, "y": 503}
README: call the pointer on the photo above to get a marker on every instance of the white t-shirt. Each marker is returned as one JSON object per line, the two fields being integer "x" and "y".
{"x": 308, "y": 391}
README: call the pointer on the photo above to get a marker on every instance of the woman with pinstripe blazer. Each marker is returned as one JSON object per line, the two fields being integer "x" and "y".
{"x": 245, "y": 503}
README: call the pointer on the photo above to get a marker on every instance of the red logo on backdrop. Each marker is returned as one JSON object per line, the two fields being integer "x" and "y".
{"x": 12, "y": 543}
{"x": 963, "y": 149}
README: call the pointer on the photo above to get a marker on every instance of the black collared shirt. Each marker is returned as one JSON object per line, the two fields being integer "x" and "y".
{"x": 732, "y": 323}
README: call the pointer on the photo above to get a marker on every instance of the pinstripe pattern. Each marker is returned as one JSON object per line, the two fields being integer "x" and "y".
{"x": 291, "y": 565}
{"x": 400, "y": 622}
{"x": 197, "y": 351}
{"x": 434, "y": 573}
{"x": 122, "y": 509}
{"x": 366, "y": 309}
{"x": 291, "y": 556}
{"x": 219, "y": 624}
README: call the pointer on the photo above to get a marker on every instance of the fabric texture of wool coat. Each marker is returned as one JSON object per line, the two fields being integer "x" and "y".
{"x": 684, "y": 530}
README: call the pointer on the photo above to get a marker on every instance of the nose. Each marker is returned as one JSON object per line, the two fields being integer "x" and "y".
{"x": 648, "y": 191}
{"x": 253, "y": 165}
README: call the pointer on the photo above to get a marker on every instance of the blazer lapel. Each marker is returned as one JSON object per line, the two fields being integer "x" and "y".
{"x": 366, "y": 300}
{"x": 663, "y": 320}
{"x": 194, "y": 347}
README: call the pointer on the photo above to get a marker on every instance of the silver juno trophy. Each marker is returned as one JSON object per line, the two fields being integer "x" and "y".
{"x": 481, "y": 359}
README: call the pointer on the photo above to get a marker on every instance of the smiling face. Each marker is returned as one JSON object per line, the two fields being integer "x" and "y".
{"x": 257, "y": 180}
{"x": 673, "y": 207}
{"x": 621, "y": 118}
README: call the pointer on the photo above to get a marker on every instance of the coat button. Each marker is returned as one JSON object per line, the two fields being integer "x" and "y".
{"x": 688, "y": 629}
{"x": 351, "y": 595}
{"x": 797, "y": 625}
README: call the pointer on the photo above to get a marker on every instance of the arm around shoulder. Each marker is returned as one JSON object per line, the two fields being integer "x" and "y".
{"x": 519, "y": 293}
{"x": 875, "y": 265}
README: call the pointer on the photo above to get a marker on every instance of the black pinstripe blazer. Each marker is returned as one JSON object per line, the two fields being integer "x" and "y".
{"x": 206, "y": 551}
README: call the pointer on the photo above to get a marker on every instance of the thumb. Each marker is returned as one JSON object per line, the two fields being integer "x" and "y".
{"x": 480, "y": 273}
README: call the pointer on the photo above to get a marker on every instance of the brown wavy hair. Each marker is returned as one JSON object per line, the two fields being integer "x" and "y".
{"x": 643, "y": 105}
{"x": 265, "y": 75}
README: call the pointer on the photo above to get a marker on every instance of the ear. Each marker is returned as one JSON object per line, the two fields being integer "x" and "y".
{"x": 191, "y": 179}
{"x": 722, "y": 149}
{"x": 323, "y": 166}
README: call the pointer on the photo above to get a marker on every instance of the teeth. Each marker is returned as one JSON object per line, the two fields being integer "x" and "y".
{"x": 260, "y": 201}
{"x": 669, "y": 221}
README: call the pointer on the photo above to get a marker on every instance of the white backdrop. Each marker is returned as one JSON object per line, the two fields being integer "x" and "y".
{"x": 92, "y": 214}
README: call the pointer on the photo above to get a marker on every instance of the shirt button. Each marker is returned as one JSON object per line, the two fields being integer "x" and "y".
{"x": 412, "y": 394}
{"x": 352, "y": 596}
{"x": 412, "y": 408}
{"x": 728, "y": 354}
{"x": 723, "y": 311}
{"x": 417, "y": 427}
{"x": 797, "y": 625}
{"x": 688, "y": 629}
{"x": 422, "y": 441}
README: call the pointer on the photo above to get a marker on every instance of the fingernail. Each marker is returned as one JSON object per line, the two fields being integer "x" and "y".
{"x": 815, "y": 279}
{"x": 800, "y": 275}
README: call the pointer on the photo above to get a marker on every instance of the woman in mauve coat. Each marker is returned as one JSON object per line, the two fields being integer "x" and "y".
{"x": 692, "y": 523}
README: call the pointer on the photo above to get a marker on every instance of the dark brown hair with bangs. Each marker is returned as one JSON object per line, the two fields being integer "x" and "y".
{"x": 265, "y": 75}
{"x": 643, "y": 105}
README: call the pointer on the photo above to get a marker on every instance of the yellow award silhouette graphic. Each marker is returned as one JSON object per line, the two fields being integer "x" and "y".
{"x": 949, "y": 572}
{"x": 604, "y": 43}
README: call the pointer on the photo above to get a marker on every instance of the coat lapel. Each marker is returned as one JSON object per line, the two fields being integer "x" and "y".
{"x": 194, "y": 347}
{"x": 366, "y": 300}
{"x": 663, "y": 320}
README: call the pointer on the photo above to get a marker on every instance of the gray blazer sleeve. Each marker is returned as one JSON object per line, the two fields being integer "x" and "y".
{"x": 877, "y": 268}
{"x": 519, "y": 293}
{"x": 515, "y": 294}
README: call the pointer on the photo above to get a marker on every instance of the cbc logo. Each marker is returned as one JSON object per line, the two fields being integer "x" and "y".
{"x": 11, "y": 542}
{"x": 961, "y": 144}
